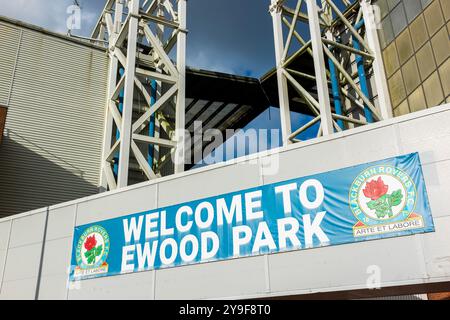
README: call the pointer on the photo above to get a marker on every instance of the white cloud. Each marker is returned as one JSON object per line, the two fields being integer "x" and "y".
{"x": 49, "y": 14}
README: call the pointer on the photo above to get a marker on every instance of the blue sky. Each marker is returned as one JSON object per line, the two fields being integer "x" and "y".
{"x": 270, "y": 119}
{"x": 232, "y": 36}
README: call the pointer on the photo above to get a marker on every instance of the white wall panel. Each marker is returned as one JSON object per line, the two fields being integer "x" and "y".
{"x": 55, "y": 269}
{"x": 57, "y": 257}
{"x": 2, "y": 264}
{"x": 223, "y": 279}
{"x": 437, "y": 179}
{"x": 430, "y": 137}
{"x": 5, "y": 227}
{"x": 436, "y": 249}
{"x": 61, "y": 222}
{"x": 199, "y": 185}
{"x": 53, "y": 287}
{"x": 115, "y": 205}
{"x": 27, "y": 230}
{"x": 369, "y": 145}
{"x": 130, "y": 286}
{"x": 305, "y": 160}
{"x": 23, "y": 289}
{"x": 346, "y": 266}
{"x": 22, "y": 262}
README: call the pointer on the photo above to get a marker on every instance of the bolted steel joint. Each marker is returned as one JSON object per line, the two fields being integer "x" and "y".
{"x": 276, "y": 6}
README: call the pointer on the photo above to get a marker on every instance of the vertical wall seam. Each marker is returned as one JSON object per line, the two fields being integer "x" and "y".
{"x": 155, "y": 270}
{"x": 41, "y": 262}
{"x": 154, "y": 284}
{"x": 14, "y": 68}
{"x": 423, "y": 264}
{"x": 261, "y": 168}
{"x": 69, "y": 269}
{"x": 398, "y": 138}
{"x": 6, "y": 255}
{"x": 267, "y": 272}
{"x": 157, "y": 195}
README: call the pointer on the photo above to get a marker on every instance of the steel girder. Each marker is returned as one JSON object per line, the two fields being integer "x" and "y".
{"x": 141, "y": 43}
{"x": 346, "y": 53}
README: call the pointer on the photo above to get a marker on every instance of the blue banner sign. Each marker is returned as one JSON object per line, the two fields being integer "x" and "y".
{"x": 377, "y": 200}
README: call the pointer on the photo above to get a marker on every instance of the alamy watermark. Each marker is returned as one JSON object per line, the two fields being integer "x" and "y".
{"x": 373, "y": 280}
{"x": 73, "y": 21}
{"x": 72, "y": 284}
{"x": 211, "y": 146}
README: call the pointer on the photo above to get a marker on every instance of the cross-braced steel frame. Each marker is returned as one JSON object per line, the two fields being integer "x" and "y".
{"x": 146, "y": 88}
{"x": 347, "y": 61}
{"x": 350, "y": 82}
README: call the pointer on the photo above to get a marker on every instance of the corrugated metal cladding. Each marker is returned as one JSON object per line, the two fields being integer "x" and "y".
{"x": 54, "y": 129}
{"x": 8, "y": 51}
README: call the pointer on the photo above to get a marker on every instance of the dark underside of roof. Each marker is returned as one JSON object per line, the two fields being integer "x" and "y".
{"x": 209, "y": 93}
{"x": 223, "y": 101}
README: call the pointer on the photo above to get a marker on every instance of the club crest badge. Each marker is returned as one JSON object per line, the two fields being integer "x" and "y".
{"x": 383, "y": 199}
{"x": 91, "y": 252}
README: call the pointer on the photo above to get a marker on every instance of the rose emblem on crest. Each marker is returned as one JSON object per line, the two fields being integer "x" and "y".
{"x": 92, "y": 250}
{"x": 92, "y": 247}
{"x": 382, "y": 194}
{"x": 380, "y": 200}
